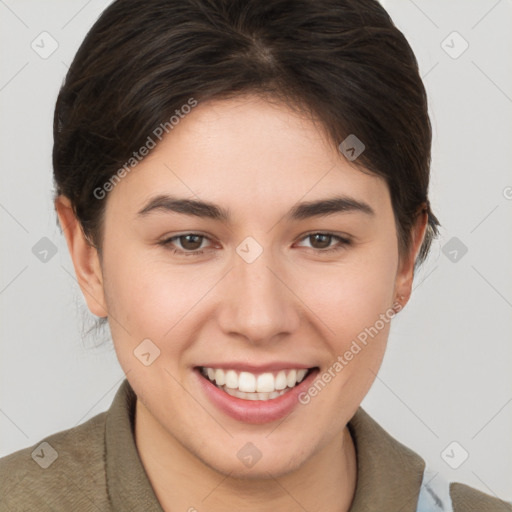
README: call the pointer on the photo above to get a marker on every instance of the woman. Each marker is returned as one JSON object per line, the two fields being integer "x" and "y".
{"x": 243, "y": 187}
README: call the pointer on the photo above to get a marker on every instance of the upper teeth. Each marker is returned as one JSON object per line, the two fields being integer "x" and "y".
{"x": 249, "y": 382}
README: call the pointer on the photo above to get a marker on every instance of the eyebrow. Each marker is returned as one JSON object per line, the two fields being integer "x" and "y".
{"x": 301, "y": 211}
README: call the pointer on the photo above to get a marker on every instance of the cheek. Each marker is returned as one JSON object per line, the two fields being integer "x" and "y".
{"x": 354, "y": 302}
{"x": 352, "y": 296}
{"x": 152, "y": 299}
{"x": 144, "y": 298}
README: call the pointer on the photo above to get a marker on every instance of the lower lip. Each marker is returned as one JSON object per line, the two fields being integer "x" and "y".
{"x": 255, "y": 411}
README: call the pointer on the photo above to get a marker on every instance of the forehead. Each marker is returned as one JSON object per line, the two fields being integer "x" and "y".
{"x": 246, "y": 151}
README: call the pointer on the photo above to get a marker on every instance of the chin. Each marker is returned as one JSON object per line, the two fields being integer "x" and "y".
{"x": 251, "y": 463}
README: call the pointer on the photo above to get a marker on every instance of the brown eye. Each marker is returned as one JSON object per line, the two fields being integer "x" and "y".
{"x": 190, "y": 242}
{"x": 321, "y": 240}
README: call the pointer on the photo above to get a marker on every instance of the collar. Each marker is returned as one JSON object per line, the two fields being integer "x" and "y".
{"x": 128, "y": 485}
{"x": 389, "y": 474}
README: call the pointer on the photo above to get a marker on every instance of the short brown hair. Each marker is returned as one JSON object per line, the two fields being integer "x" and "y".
{"x": 342, "y": 61}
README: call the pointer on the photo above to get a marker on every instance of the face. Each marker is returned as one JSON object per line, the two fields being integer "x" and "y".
{"x": 266, "y": 290}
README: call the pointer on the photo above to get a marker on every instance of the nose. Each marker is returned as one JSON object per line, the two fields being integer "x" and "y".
{"x": 258, "y": 303}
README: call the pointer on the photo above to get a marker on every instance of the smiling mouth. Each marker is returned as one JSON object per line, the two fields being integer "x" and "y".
{"x": 252, "y": 386}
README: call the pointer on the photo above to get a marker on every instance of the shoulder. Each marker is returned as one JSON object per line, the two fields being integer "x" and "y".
{"x": 468, "y": 499}
{"x": 439, "y": 495}
{"x": 63, "y": 471}
{"x": 390, "y": 473}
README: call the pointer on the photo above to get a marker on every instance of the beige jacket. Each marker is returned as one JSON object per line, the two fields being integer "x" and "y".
{"x": 95, "y": 467}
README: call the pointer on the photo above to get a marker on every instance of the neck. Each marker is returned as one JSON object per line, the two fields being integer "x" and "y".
{"x": 181, "y": 481}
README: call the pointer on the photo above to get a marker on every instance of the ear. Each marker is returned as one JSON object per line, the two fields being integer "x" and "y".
{"x": 85, "y": 258}
{"x": 405, "y": 273}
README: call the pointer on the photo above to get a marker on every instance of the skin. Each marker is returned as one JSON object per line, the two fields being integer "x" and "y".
{"x": 292, "y": 303}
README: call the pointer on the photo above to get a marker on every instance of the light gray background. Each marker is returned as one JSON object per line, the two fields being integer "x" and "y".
{"x": 447, "y": 373}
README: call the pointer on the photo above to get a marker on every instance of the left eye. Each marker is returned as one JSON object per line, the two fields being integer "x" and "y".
{"x": 190, "y": 243}
{"x": 325, "y": 239}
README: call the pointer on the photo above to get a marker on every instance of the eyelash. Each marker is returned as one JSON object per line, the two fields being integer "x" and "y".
{"x": 341, "y": 245}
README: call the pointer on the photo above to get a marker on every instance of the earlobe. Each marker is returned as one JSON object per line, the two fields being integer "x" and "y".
{"x": 85, "y": 258}
{"x": 405, "y": 274}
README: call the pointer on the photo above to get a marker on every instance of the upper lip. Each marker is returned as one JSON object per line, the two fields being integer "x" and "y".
{"x": 260, "y": 368}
